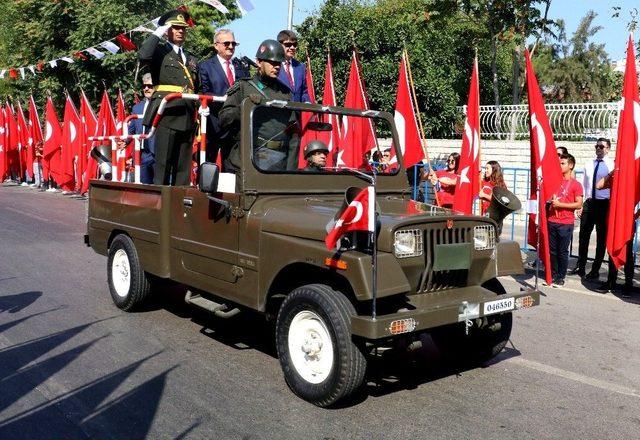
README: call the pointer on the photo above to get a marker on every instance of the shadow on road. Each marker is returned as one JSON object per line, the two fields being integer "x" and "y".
{"x": 20, "y": 301}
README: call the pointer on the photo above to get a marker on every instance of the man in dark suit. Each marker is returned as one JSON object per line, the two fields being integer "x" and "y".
{"x": 217, "y": 74}
{"x": 173, "y": 70}
{"x": 148, "y": 149}
{"x": 293, "y": 73}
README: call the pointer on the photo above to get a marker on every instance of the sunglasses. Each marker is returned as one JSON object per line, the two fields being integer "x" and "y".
{"x": 229, "y": 43}
{"x": 295, "y": 44}
{"x": 600, "y": 146}
{"x": 147, "y": 86}
{"x": 451, "y": 161}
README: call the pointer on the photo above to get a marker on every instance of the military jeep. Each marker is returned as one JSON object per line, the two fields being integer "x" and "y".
{"x": 254, "y": 240}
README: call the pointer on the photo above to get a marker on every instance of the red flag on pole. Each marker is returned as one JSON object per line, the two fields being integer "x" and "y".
{"x": 70, "y": 135}
{"x": 358, "y": 216}
{"x": 121, "y": 113}
{"x": 88, "y": 128}
{"x": 468, "y": 184}
{"x": 105, "y": 126}
{"x": 13, "y": 141}
{"x": 3, "y": 145}
{"x": 329, "y": 99}
{"x": 624, "y": 189}
{"x": 405, "y": 119}
{"x": 359, "y": 135}
{"x": 24, "y": 134}
{"x": 36, "y": 129}
{"x": 51, "y": 153}
{"x": 545, "y": 167}
{"x": 306, "y": 117}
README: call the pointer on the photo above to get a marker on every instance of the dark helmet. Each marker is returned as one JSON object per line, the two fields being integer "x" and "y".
{"x": 270, "y": 50}
{"x": 314, "y": 146}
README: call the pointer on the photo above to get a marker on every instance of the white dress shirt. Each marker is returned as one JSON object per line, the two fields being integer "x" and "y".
{"x": 606, "y": 166}
{"x": 176, "y": 49}
{"x": 223, "y": 63}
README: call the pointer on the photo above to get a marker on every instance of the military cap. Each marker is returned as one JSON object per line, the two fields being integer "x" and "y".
{"x": 270, "y": 50}
{"x": 313, "y": 146}
{"x": 175, "y": 18}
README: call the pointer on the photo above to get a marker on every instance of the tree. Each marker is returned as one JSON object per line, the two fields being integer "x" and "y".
{"x": 439, "y": 40}
{"x": 48, "y": 30}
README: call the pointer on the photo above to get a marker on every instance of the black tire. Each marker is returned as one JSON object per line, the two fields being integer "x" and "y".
{"x": 482, "y": 343}
{"x": 126, "y": 296}
{"x": 348, "y": 364}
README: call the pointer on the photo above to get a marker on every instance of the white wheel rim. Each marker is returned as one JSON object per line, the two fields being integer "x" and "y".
{"x": 310, "y": 347}
{"x": 121, "y": 273}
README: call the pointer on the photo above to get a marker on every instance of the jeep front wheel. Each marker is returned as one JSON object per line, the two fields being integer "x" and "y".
{"x": 128, "y": 283}
{"x": 319, "y": 359}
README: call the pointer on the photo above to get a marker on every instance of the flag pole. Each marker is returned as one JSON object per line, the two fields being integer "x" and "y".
{"x": 405, "y": 53}
{"x": 374, "y": 251}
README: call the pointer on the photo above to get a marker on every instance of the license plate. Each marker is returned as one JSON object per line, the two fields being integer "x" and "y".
{"x": 499, "y": 305}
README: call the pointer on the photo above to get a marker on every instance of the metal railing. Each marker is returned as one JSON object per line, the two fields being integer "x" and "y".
{"x": 576, "y": 122}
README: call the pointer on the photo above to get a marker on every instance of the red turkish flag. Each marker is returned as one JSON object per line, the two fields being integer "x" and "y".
{"x": 359, "y": 135}
{"x": 468, "y": 185}
{"x": 105, "y": 126}
{"x": 70, "y": 135}
{"x": 52, "y": 150}
{"x": 358, "y": 216}
{"x": 12, "y": 141}
{"x": 121, "y": 113}
{"x": 305, "y": 117}
{"x": 544, "y": 164}
{"x": 405, "y": 120}
{"x": 332, "y": 138}
{"x": 625, "y": 193}
{"x": 24, "y": 146}
{"x": 3, "y": 145}
{"x": 35, "y": 127}
{"x": 88, "y": 128}
{"x": 125, "y": 43}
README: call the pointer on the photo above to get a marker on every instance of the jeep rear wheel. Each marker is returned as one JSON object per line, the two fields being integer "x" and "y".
{"x": 128, "y": 283}
{"x": 319, "y": 359}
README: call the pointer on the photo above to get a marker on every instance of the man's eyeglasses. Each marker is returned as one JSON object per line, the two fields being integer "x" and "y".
{"x": 147, "y": 86}
{"x": 229, "y": 43}
{"x": 294, "y": 44}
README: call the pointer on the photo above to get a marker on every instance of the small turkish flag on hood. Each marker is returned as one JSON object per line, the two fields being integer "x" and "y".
{"x": 358, "y": 216}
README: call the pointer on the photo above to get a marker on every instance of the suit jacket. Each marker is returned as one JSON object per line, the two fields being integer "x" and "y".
{"x": 135, "y": 126}
{"x": 299, "y": 91}
{"x": 166, "y": 68}
{"x": 213, "y": 81}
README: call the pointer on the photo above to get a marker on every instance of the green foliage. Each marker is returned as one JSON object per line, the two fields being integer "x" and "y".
{"x": 577, "y": 70}
{"x": 32, "y": 31}
{"x": 439, "y": 40}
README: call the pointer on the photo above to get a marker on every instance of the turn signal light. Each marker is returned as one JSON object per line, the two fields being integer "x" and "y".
{"x": 335, "y": 264}
{"x": 400, "y": 326}
{"x": 524, "y": 302}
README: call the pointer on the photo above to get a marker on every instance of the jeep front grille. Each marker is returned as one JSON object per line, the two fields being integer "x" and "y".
{"x": 431, "y": 280}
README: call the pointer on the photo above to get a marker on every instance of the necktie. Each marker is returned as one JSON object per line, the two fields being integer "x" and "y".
{"x": 287, "y": 69}
{"x": 595, "y": 179}
{"x": 229, "y": 74}
{"x": 181, "y": 55}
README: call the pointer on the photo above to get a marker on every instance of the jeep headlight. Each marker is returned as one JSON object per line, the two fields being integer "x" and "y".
{"x": 484, "y": 237}
{"x": 408, "y": 243}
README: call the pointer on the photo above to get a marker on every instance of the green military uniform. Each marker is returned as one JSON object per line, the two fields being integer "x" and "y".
{"x": 274, "y": 148}
{"x": 174, "y": 134}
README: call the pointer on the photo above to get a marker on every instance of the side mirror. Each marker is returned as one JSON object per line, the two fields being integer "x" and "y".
{"x": 208, "y": 179}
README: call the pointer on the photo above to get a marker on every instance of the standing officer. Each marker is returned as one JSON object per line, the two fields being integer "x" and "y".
{"x": 172, "y": 70}
{"x": 293, "y": 73}
{"x": 595, "y": 210}
{"x": 217, "y": 74}
{"x": 273, "y": 151}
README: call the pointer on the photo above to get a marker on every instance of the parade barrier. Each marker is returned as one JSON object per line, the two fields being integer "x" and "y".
{"x": 120, "y": 175}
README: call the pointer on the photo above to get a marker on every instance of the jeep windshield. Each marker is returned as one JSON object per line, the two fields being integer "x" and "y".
{"x": 321, "y": 142}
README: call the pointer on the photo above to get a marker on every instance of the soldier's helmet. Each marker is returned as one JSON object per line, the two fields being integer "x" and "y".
{"x": 270, "y": 50}
{"x": 314, "y": 146}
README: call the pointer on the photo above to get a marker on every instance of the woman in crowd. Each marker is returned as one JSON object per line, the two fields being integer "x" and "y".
{"x": 445, "y": 181}
{"x": 492, "y": 178}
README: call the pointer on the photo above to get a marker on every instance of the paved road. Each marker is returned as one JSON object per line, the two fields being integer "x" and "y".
{"x": 74, "y": 366}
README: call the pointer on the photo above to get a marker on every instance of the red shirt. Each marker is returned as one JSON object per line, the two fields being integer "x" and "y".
{"x": 445, "y": 195}
{"x": 486, "y": 189}
{"x": 569, "y": 192}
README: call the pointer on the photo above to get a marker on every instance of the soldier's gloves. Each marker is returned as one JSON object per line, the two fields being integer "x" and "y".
{"x": 161, "y": 30}
{"x": 255, "y": 98}
{"x": 204, "y": 111}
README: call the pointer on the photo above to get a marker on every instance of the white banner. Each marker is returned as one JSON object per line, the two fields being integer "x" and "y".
{"x": 216, "y": 4}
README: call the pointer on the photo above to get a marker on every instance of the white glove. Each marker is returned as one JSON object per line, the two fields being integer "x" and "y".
{"x": 204, "y": 111}
{"x": 161, "y": 30}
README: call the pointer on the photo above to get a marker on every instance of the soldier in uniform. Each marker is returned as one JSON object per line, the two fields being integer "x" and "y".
{"x": 173, "y": 70}
{"x": 274, "y": 148}
{"x": 315, "y": 153}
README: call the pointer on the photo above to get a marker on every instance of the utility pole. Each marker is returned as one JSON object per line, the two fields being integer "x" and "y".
{"x": 290, "y": 16}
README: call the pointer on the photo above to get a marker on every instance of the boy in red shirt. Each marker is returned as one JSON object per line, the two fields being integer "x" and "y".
{"x": 560, "y": 219}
